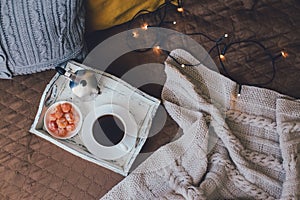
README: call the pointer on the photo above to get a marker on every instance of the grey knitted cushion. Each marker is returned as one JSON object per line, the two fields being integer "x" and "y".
{"x": 37, "y": 35}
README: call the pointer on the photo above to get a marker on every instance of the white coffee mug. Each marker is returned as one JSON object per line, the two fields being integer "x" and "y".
{"x": 101, "y": 144}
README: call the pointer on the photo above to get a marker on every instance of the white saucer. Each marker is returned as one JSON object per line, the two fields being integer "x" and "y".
{"x": 118, "y": 150}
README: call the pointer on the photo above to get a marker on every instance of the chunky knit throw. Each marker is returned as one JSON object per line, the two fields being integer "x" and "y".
{"x": 232, "y": 147}
{"x": 39, "y": 35}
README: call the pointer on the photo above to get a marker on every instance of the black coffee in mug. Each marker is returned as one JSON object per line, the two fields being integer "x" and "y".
{"x": 108, "y": 130}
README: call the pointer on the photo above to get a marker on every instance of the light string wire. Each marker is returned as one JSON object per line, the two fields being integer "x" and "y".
{"x": 218, "y": 43}
{"x": 141, "y": 13}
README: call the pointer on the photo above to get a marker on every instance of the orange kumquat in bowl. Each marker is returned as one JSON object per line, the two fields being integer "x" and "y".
{"x": 63, "y": 120}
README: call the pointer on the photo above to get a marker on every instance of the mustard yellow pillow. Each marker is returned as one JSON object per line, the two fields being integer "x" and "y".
{"x": 103, "y": 14}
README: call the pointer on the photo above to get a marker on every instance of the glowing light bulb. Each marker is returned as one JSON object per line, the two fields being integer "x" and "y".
{"x": 157, "y": 49}
{"x": 182, "y": 65}
{"x": 226, "y": 35}
{"x": 238, "y": 94}
{"x": 145, "y": 26}
{"x": 222, "y": 57}
{"x": 284, "y": 54}
{"x": 180, "y": 9}
{"x": 135, "y": 34}
{"x": 174, "y": 22}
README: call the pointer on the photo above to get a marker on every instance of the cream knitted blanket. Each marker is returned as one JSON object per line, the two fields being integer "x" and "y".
{"x": 232, "y": 147}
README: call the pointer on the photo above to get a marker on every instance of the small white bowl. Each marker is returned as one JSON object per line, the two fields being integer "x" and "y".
{"x": 78, "y": 120}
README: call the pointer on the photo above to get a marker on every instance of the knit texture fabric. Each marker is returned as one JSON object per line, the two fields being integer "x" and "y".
{"x": 232, "y": 147}
{"x": 39, "y": 35}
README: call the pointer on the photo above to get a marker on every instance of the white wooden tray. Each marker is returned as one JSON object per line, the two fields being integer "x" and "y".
{"x": 142, "y": 106}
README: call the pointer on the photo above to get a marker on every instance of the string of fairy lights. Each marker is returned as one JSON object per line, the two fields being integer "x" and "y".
{"x": 219, "y": 44}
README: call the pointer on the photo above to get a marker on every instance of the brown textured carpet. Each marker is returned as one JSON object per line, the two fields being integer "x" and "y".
{"x": 32, "y": 168}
